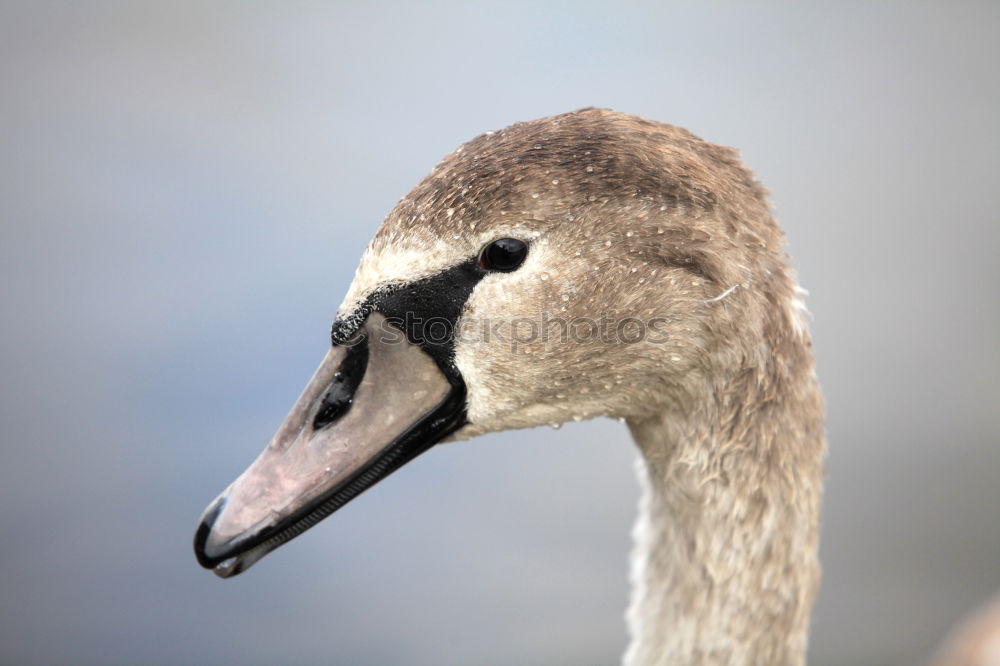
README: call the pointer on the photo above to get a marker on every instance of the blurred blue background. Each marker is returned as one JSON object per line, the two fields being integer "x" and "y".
{"x": 186, "y": 189}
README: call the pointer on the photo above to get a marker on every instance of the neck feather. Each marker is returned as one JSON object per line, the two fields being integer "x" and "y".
{"x": 724, "y": 567}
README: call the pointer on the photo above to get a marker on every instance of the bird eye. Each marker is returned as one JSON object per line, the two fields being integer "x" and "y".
{"x": 504, "y": 255}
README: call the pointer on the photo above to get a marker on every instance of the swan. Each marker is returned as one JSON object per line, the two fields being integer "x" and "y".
{"x": 589, "y": 264}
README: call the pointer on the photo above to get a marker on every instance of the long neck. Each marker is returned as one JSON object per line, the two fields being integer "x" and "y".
{"x": 724, "y": 567}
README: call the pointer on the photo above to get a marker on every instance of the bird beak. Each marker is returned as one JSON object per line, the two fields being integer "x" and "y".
{"x": 373, "y": 405}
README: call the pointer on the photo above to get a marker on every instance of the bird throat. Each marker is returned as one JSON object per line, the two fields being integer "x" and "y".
{"x": 724, "y": 566}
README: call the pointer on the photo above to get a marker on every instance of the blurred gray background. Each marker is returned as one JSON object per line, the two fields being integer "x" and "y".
{"x": 185, "y": 191}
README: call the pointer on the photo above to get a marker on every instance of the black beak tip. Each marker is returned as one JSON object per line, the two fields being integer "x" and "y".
{"x": 205, "y": 530}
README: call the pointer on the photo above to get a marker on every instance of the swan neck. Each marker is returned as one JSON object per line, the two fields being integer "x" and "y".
{"x": 724, "y": 566}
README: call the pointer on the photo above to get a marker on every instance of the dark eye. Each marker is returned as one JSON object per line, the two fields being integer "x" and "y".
{"x": 504, "y": 255}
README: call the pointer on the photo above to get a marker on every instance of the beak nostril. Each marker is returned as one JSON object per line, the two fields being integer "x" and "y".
{"x": 337, "y": 399}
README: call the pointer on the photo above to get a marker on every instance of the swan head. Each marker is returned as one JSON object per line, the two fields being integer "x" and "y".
{"x": 589, "y": 264}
